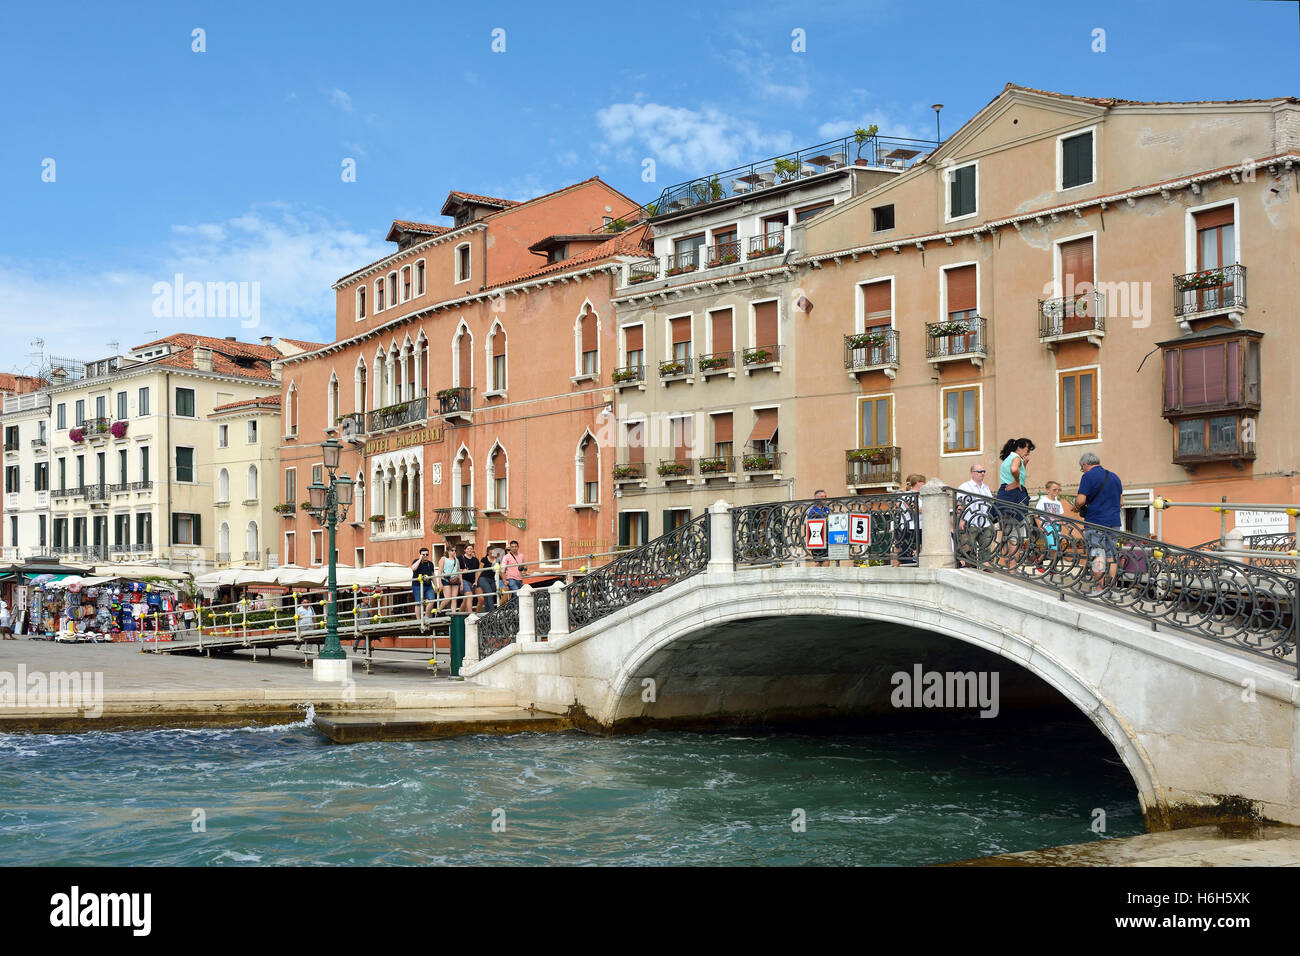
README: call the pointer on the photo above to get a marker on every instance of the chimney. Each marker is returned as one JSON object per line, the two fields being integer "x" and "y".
{"x": 267, "y": 340}
{"x": 202, "y": 359}
{"x": 230, "y": 338}
{"x": 59, "y": 376}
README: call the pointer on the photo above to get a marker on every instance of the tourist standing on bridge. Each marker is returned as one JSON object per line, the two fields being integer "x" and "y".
{"x": 448, "y": 581}
{"x": 1013, "y": 476}
{"x": 972, "y": 511}
{"x": 819, "y": 511}
{"x": 1098, "y": 502}
{"x": 909, "y": 526}
{"x": 512, "y": 570}
{"x": 470, "y": 568}
{"x": 306, "y": 616}
{"x": 487, "y": 580}
{"x": 422, "y": 588}
{"x": 1051, "y": 504}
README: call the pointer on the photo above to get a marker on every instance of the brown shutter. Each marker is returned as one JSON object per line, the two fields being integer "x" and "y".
{"x": 464, "y": 351}
{"x": 1076, "y": 261}
{"x": 961, "y": 289}
{"x": 681, "y": 438}
{"x": 635, "y": 336}
{"x": 499, "y": 343}
{"x": 722, "y": 429}
{"x": 681, "y": 329}
{"x": 636, "y": 442}
{"x": 876, "y": 304}
{"x": 1218, "y": 216}
{"x": 765, "y": 427}
{"x": 589, "y": 332}
{"x": 721, "y": 321}
{"x": 764, "y": 324}
{"x": 590, "y": 461}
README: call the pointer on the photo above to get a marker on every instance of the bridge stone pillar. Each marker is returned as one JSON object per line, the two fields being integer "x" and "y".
{"x": 527, "y": 619}
{"x": 471, "y": 641}
{"x": 722, "y": 556}
{"x": 559, "y": 611}
{"x": 936, "y": 527}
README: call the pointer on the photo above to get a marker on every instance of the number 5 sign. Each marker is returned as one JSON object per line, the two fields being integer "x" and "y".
{"x": 859, "y": 529}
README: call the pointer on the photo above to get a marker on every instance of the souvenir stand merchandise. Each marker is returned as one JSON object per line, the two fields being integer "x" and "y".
{"x": 116, "y": 611}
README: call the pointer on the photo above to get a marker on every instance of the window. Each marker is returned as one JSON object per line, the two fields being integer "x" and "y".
{"x": 223, "y": 486}
{"x": 588, "y": 340}
{"x": 359, "y": 554}
{"x": 292, "y": 410}
{"x": 498, "y": 489}
{"x": 765, "y": 324}
{"x": 1209, "y": 375}
{"x": 291, "y": 485}
{"x": 250, "y": 490}
{"x": 317, "y": 548}
{"x": 42, "y": 476}
{"x": 877, "y": 304}
{"x": 589, "y": 486}
{"x": 764, "y": 435}
{"x": 11, "y": 479}
{"x": 144, "y": 463}
{"x": 63, "y": 474}
{"x": 185, "y": 402}
{"x": 11, "y": 438}
{"x": 882, "y": 218}
{"x": 807, "y": 212}
{"x": 290, "y": 547}
{"x": 318, "y": 474}
{"x": 419, "y": 281}
{"x": 392, "y": 289}
{"x": 121, "y": 406}
{"x": 13, "y": 529}
{"x": 103, "y": 472}
{"x": 875, "y": 422}
{"x": 121, "y": 466}
{"x": 961, "y": 291}
{"x": 680, "y": 428}
{"x": 1216, "y": 248}
{"x": 680, "y": 330}
{"x": 961, "y": 420}
{"x": 60, "y": 532}
{"x": 498, "y": 376}
{"x": 720, "y": 333}
{"x": 185, "y": 464}
{"x": 80, "y": 418}
{"x": 101, "y": 406}
{"x": 61, "y": 416}
{"x": 251, "y": 432}
{"x": 723, "y": 434}
{"x": 186, "y": 529}
{"x": 1078, "y": 405}
{"x": 78, "y": 532}
{"x": 142, "y": 404}
{"x": 633, "y": 528}
{"x": 961, "y": 191}
{"x": 726, "y": 248}
{"x": 634, "y": 345}
{"x": 774, "y": 228}
{"x": 81, "y": 471}
{"x": 686, "y": 254}
{"x": 379, "y": 295}
{"x": 361, "y": 302}
{"x": 462, "y": 262}
{"x": 635, "y": 434}
{"x": 548, "y": 551}
{"x": 406, "y": 283}
{"x": 223, "y": 436}
{"x": 1076, "y": 160}
{"x": 122, "y": 530}
{"x": 675, "y": 518}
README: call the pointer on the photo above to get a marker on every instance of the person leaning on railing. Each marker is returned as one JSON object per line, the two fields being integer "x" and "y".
{"x": 909, "y": 525}
{"x": 1098, "y": 502}
{"x": 512, "y": 570}
{"x": 422, "y": 588}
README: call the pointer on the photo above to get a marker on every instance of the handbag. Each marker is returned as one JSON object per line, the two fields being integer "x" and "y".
{"x": 1083, "y": 512}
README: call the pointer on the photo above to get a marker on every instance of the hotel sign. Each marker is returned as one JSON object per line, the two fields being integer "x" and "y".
{"x": 420, "y": 436}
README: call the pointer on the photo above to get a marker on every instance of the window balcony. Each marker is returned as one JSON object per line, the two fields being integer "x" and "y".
{"x": 759, "y": 464}
{"x": 680, "y": 263}
{"x": 874, "y": 467}
{"x": 676, "y": 469}
{"x": 96, "y": 429}
{"x": 722, "y": 254}
{"x": 718, "y": 466}
{"x": 223, "y": 559}
{"x": 762, "y": 356}
{"x": 760, "y": 247}
{"x": 39, "y": 445}
{"x": 629, "y": 376}
{"x": 11, "y": 446}
{"x": 286, "y": 509}
{"x": 1209, "y": 292}
{"x": 674, "y": 370}
{"x": 957, "y": 341}
{"x": 629, "y": 472}
{"x": 643, "y": 270}
{"x": 1212, "y": 396}
{"x": 98, "y": 494}
{"x": 356, "y": 432}
{"x": 457, "y": 522}
{"x": 456, "y": 403}
{"x": 398, "y": 526}
{"x": 416, "y": 411}
{"x": 1072, "y": 317}
{"x": 717, "y": 363}
{"x": 875, "y": 350}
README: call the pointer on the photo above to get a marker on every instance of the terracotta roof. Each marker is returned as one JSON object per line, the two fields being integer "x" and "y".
{"x": 419, "y": 228}
{"x": 247, "y": 402}
{"x": 626, "y": 243}
{"x": 306, "y": 346}
{"x": 226, "y": 355}
{"x": 20, "y": 384}
{"x": 1113, "y": 101}
{"x": 226, "y": 346}
{"x": 479, "y": 200}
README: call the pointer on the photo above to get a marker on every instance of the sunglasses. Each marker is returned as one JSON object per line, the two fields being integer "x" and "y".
{"x": 978, "y": 471}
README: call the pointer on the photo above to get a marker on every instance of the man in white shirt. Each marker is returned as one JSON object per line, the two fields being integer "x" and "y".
{"x": 978, "y": 514}
{"x": 306, "y": 616}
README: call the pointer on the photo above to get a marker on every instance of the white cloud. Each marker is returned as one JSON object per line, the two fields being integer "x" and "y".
{"x": 567, "y": 158}
{"x": 695, "y": 141}
{"x": 341, "y": 100}
{"x": 888, "y": 125}
{"x": 293, "y": 255}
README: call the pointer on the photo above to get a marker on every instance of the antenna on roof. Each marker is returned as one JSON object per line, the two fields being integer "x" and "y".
{"x": 113, "y": 345}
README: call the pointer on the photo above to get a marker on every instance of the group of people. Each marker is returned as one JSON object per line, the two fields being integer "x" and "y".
{"x": 461, "y": 581}
{"x": 1098, "y": 500}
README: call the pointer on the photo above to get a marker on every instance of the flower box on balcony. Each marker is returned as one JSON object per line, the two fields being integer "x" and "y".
{"x": 1201, "y": 280}
{"x": 868, "y": 340}
{"x": 117, "y": 429}
{"x": 672, "y": 368}
{"x": 410, "y": 515}
{"x": 765, "y": 251}
{"x": 626, "y": 375}
{"x": 452, "y": 527}
{"x": 285, "y": 509}
{"x": 723, "y": 260}
{"x": 716, "y": 362}
{"x": 757, "y": 356}
{"x": 647, "y": 277}
{"x": 714, "y": 466}
{"x": 674, "y": 469}
{"x": 759, "y": 462}
{"x": 446, "y": 393}
{"x": 377, "y": 519}
{"x": 940, "y": 329}
{"x": 76, "y": 436}
{"x": 873, "y": 456}
{"x": 622, "y": 472}
{"x": 680, "y": 270}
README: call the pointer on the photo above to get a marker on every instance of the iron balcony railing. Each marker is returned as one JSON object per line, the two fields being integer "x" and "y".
{"x": 717, "y": 466}
{"x": 93, "y": 428}
{"x": 686, "y": 260}
{"x": 770, "y": 244}
{"x": 879, "y": 465}
{"x": 873, "y": 150}
{"x": 959, "y": 337}
{"x": 38, "y": 443}
{"x": 675, "y": 367}
{"x": 761, "y": 355}
{"x": 723, "y": 254}
{"x": 455, "y": 401}
{"x": 498, "y": 628}
{"x": 358, "y": 420}
{"x": 630, "y": 471}
{"x": 1072, "y": 315}
{"x": 777, "y": 532}
{"x": 717, "y": 362}
{"x": 1210, "y": 290}
{"x": 12, "y": 445}
{"x": 396, "y": 416}
{"x": 629, "y": 375}
{"x": 99, "y": 492}
{"x": 671, "y": 468}
{"x": 759, "y": 461}
{"x": 874, "y": 348}
{"x": 252, "y": 557}
{"x": 457, "y": 520}
{"x": 58, "y": 493}
{"x": 223, "y": 557}
{"x": 643, "y": 270}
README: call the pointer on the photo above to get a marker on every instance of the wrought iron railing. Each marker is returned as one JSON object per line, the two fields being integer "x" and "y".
{"x": 675, "y": 367}
{"x": 717, "y": 362}
{"x": 1196, "y": 592}
{"x": 716, "y": 466}
{"x": 498, "y": 628}
{"x": 761, "y": 355}
{"x": 456, "y": 520}
{"x": 878, "y": 465}
{"x": 454, "y": 401}
{"x": 768, "y": 244}
{"x": 643, "y": 270}
{"x": 680, "y": 554}
{"x": 873, "y": 348}
{"x": 358, "y": 420}
{"x": 96, "y": 427}
{"x": 629, "y": 471}
{"x": 944, "y": 339}
{"x": 1072, "y": 315}
{"x": 723, "y": 254}
{"x": 685, "y": 260}
{"x": 251, "y": 557}
{"x": 629, "y": 375}
{"x": 99, "y": 492}
{"x": 881, "y": 528}
{"x": 670, "y": 468}
{"x": 761, "y": 461}
{"x": 396, "y": 416}
{"x": 542, "y": 612}
{"x": 1210, "y": 290}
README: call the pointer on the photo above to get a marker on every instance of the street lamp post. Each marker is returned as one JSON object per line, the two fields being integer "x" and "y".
{"x": 329, "y": 506}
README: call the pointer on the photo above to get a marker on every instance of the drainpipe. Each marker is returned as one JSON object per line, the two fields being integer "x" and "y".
{"x": 164, "y": 466}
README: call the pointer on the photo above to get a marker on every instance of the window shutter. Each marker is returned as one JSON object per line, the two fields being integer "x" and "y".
{"x": 766, "y": 425}
{"x": 463, "y": 350}
{"x": 876, "y": 304}
{"x": 681, "y": 438}
{"x": 635, "y": 338}
{"x": 765, "y": 324}
{"x": 643, "y": 521}
{"x": 589, "y": 332}
{"x": 636, "y": 443}
{"x": 668, "y": 521}
{"x": 176, "y": 527}
{"x": 721, "y": 322}
{"x": 623, "y": 522}
{"x": 590, "y": 461}
{"x": 681, "y": 329}
{"x": 499, "y": 343}
{"x": 722, "y": 427}
{"x": 1076, "y": 263}
{"x": 961, "y": 289}
{"x": 1218, "y": 216}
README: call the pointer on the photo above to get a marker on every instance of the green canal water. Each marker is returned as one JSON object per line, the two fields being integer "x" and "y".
{"x": 281, "y": 795}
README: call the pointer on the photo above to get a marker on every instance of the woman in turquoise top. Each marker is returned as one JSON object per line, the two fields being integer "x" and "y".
{"x": 1014, "y": 476}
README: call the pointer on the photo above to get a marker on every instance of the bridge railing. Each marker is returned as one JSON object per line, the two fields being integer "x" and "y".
{"x": 776, "y": 532}
{"x": 1197, "y": 592}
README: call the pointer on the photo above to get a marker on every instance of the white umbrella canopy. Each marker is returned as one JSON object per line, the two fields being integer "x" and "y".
{"x": 138, "y": 572}
{"x": 384, "y": 574}
{"x": 301, "y": 577}
{"x": 215, "y": 579}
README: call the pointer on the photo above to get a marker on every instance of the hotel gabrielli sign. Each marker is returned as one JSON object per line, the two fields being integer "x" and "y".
{"x": 420, "y": 436}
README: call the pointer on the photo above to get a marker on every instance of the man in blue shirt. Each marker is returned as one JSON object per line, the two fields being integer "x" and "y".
{"x": 819, "y": 510}
{"x": 1098, "y": 502}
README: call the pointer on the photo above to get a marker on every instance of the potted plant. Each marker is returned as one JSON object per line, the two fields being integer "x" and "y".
{"x": 769, "y": 250}
{"x": 757, "y": 356}
{"x": 862, "y": 137}
{"x": 447, "y": 393}
{"x": 875, "y": 456}
{"x": 643, "y": 277}
{"x": 626, "y": 471}
{"x": 670, "y": 469}
{"x": 410, "y": 515}
{"x": 117, "y": 429}
{"x": 709, "y": 190}
{"x": 723, "y": 259}
{"x": 672, "y": 367}
{"x": 711, "y": 362}
{"x": 713, "y": 466}
{"x": 680, "y": 269}
{"x": 626, "y": 374}
{"x": 758, "y": 462}
{"x": 940, "y": 329}
{"x": 76, "y": 436}
{"x": 786, "y": 169}
{"x": 1201, "y": 280}
{"x": 868, "y": 340}
{"x": 287, "y": 507}
{"x": 377, "y": 519}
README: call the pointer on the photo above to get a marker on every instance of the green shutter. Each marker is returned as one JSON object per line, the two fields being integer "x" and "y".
{"x": 623, "y": 529}
{"x": 198, "y": 529}
{"x": 668, "y": 521}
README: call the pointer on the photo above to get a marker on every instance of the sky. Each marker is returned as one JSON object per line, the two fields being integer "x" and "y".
{"x": 129, "y": 156}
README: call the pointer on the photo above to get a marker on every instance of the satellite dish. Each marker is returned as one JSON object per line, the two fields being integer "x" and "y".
{"x": 348, "y": 429}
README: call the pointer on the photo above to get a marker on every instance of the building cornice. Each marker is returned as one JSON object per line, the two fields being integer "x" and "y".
{"x": 712, "y": 283}
{"x": 149, "y": 368}
{"x": 382, "y": 264}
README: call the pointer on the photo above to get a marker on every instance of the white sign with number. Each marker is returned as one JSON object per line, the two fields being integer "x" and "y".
{"x": 859, "y": 529}
{"x": 815, "y": 533}
{"x": 1262, "y": 522}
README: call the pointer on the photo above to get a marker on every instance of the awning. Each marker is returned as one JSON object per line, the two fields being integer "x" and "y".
{"x": 765, "y": 427}
{"x": 139, "y": 572}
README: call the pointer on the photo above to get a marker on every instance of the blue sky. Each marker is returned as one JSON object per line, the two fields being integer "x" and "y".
{"x": 225, "y": 165}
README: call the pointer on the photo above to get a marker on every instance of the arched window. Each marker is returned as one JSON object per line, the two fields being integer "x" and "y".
{"x": 332, "y": 402}
{"x": 498, "y": 487}
{"x": 361, "y": 302}
{"x": 464, "y": 364}
{"x": 223, "y": 542}
{"x": 359, "y": 386}
{"x": 421, "y": 365}
{"x": 223, "y": 485}
{"x": 588, "y": 471}
{"x": 497, "y": 358}
{"x": 291, "y": 413}
{"x": 462, "y": 480}
{"x": 252, "y": 494}
{"x": 587, "y": 335}
{"x": 252, "y": 547}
